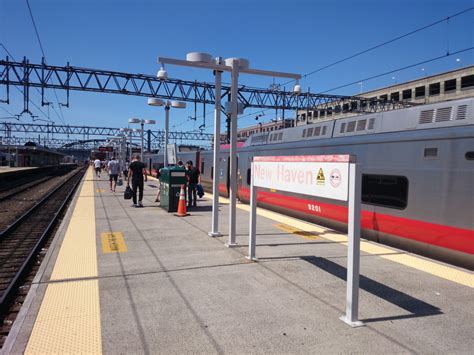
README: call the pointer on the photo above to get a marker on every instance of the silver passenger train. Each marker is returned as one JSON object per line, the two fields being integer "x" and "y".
{"x": 417, "y": 182}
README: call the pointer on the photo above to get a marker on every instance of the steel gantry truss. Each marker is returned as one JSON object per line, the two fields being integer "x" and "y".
{"x": 155, "y": 139}
{"x": 68, "y": 78}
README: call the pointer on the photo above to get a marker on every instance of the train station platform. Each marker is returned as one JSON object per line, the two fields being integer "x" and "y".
{"x": 139, "y": 280}
{"x": 8, "y": 169}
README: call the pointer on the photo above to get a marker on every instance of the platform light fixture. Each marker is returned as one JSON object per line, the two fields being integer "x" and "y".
{"x": 167, "y": 104}
{"x": 234, "y": 66}
{"x": 142, "y": 123}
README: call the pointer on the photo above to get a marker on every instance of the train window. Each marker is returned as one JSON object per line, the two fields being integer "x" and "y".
{"x": 317, "y": 131}
{"x": 304, "y": 133}
{"x": 450, "y": 85}
{"x": 324, "y": 131}
{"x": 280, "y": 136}
{"x": 469, "y": 155}
{"x": 343, "y": 127}
{"x": 406, "y": 94}
{"x": 430, "y": 153}
{"x": 467, "y": 82}
{"x": 361, "y": 125}
{"x": 249, "y": 175}
{"x": 310, "y": 132}
{"x": 202, "y": 167}
{"x": 419, "y": 92}
{"x": 385, "y": 190}
{"x": 351, "y": 126}
{"x": 372, "y": 123}
{"x": 435, "y": 89}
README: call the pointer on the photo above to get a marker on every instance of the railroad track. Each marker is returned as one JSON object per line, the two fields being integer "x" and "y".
{"x": 21, "y": 241}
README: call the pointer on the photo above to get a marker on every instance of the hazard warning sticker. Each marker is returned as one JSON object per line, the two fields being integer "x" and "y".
{"x": 320, "y": 179}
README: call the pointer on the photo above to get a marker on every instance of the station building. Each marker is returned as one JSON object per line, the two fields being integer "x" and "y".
{"x": 454, "y": 84}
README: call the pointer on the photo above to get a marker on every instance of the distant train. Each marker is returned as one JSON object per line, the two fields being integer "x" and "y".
{"x": 417, "y": 182}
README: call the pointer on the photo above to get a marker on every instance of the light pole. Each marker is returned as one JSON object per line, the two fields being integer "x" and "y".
{"x": 142, "y": 123}
{"x": 234, "y": 66}
{"x": 167, "y": 104}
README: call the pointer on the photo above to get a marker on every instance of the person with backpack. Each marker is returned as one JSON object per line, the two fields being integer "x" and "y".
{"x": 194, "y": 178}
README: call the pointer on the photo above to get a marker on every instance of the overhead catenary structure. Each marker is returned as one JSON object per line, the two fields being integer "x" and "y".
{"x": 155, "y": 139}
{"x": 26, "y": 75}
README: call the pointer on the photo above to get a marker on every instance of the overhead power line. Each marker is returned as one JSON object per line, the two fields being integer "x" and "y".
{"x": 437, "y": 22}
{"x": 61, "y": 117}
{"x": 399, "y": 69}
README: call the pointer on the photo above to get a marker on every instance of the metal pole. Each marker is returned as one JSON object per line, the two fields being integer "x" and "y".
{"x": 141, "y": 149}
{"x": 217, "y": 142}
{"x": 253, "y": 218}
{"x": 233, "y": 153}
{"x": 167, "y": 122}
{"x": 353, "y": 254}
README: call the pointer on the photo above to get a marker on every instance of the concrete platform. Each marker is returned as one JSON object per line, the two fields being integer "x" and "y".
{"x": 7, "y": 169}
{"x": 173, "y": 289}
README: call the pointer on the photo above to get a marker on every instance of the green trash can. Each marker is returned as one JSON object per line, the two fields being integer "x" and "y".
{"x": 171, "y": 180}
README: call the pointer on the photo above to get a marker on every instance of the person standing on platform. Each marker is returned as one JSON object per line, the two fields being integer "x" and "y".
{"x": 125, "y": 169}
{"x": 114, "y": 169}
{"x": 137, "y": 173}
{"x": 158, "y": 176}
{"x": 194, "y": 178}
{"x": 97, "y": 166}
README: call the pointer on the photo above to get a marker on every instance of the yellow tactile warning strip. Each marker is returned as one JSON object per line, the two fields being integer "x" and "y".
{"x": 303, "y": 234}
{"x": 430, "y": 267}
{"x": 113, "y": 243}
{"x": 69, "y": 318}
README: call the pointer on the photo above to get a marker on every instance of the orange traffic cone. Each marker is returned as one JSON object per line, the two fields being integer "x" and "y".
{"x": 182, "y": 204}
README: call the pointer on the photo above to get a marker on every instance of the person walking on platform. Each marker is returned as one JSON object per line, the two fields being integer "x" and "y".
{"x": 97, "y": 166}
{"x": 114, "y": 169}
{"x": 194, "y": 178}
{"x": 137, "y": 173}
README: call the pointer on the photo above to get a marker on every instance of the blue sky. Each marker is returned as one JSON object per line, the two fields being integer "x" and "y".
{"x": 294, "y": 36}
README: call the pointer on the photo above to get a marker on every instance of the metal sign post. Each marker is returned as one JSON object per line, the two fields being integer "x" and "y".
{"x": 253, "y": 217}
{"x": 353, "y": 253}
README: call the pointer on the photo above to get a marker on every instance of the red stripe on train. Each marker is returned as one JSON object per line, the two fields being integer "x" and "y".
{"x": 437, "y": 234}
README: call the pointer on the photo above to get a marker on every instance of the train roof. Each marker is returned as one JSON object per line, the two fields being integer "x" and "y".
{"x": 442, "y": 114}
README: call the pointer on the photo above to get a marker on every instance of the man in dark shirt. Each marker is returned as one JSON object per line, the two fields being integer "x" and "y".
{"x": 194, "y": 178}
{"x": 136, "y": 173}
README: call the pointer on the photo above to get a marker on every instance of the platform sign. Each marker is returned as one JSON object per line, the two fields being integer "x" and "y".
{"x": 334, "y": 177}
{"x": 316, "y": 175}
{"x": 171, "y": 149}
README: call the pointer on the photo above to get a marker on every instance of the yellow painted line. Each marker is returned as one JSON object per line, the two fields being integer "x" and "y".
{"x": 113, "y": 243}
{"x": 298, "y": 232}
{"x": 446, "y": 272}
{"x": 69, "y": 317}
{"x": 99, "y": 190}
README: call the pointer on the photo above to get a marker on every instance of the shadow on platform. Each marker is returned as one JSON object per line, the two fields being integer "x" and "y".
{"x": 199, "y": 209}
{"x": 416, "y": 307}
